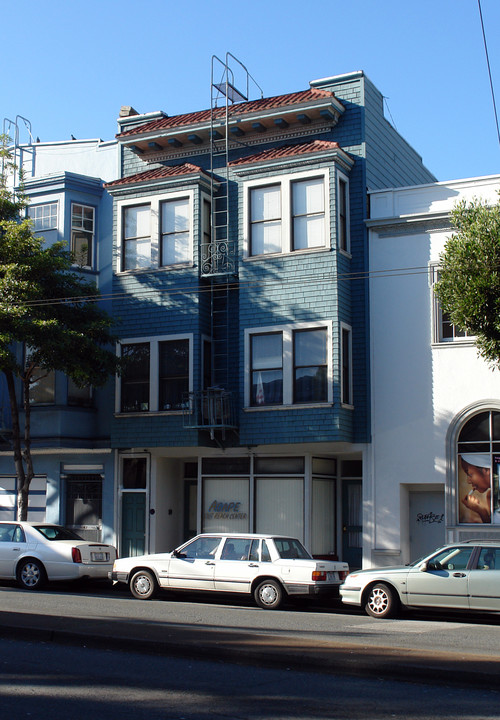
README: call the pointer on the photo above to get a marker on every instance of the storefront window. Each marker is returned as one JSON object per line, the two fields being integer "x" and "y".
{"x": 323, "y": 513}
{"x": 226, "y": 505}
{"x": 478, "y": 465}
{"x": 279, "y": 506}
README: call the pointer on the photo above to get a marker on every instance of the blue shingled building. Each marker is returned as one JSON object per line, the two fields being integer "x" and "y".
{"x": 232, "y": 245}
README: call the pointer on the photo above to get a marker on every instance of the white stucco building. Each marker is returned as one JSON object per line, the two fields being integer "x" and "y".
{"x": 434, "y": 401}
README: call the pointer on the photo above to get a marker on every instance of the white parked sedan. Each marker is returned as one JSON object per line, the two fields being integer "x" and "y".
{"x": 33, "y": 553}
{"x": 269, "y": 567}
{"x": 460, "y": 576}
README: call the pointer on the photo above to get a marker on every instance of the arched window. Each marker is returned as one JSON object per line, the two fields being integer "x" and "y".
{"x": 478, "y": 465}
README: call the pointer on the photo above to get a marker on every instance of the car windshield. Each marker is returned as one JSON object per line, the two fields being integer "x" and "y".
{"x": 291, "y": 549}
{"x": 56, "y": 532}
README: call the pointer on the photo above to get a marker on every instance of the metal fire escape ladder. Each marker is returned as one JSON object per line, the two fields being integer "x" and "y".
{"x": 213, "y": 408}
{"x": 23, "y": 154}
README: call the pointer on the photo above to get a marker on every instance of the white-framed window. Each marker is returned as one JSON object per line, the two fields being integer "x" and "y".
{"x": 82, "y": 234}
{"x": 288, "y": 365}
{"x": 444, "y": 331}
{"x": 157, "y": 374}
{"x": 346, "y": 364}
{"x": 343, "y": 226}
{"x": 287, "y": 213}
{"x": 157, "y": 232}
{"x": 136, "y": 238}
{"x": 175, "y": 232}
{"x": 44, "y": 216}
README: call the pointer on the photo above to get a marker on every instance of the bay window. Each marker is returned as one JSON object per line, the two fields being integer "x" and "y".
{"x": 288, "y": 365}
{"x": 159, "y": 233}
{"x": 82, "y": 234}
{"x": 288, "y": 214}
{"x": 157, "y": 372}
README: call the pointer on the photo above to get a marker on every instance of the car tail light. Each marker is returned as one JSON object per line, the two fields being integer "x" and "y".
{"x": 343, "y": 574}
{"x": 319, "y": 575}
{"x": 76, "y": 555}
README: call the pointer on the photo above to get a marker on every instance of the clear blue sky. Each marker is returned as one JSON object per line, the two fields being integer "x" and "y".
{"x": 68, "y": 65}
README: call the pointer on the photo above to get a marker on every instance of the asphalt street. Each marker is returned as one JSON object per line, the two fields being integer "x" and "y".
{"x": 452, "y": 650}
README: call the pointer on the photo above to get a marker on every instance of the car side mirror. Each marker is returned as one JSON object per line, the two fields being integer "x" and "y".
{"x": 424, "y": 567}
{"x": 178, "y": 554}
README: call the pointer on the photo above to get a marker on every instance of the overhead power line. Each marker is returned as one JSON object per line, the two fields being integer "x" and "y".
{"x": 489, "y": 70}
{"x": 237, "y": 285}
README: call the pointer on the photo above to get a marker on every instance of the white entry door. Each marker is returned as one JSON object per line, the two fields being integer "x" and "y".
{"x": 427, "y": 523}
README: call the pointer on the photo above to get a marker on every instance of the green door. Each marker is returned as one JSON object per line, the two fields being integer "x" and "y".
{"x": 352, "y": 528}
{"x": 133, "y": 524}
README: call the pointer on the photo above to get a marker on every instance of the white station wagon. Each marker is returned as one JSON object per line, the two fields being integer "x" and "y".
{"x": 269, "y": 567}
{"x": 33, "y": 553}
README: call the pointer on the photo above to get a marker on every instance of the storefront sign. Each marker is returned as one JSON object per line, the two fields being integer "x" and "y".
{"x": 220, "y": 510}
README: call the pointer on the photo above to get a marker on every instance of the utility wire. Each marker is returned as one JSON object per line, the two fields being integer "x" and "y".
{"x": 236, "y": 285}
{"x": 489, "y": 70}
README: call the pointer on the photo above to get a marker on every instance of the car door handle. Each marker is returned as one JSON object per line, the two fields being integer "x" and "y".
{"x": 210, "y": 562}
{"x": 253, "y": 565}
{"x": 459, "y": 575}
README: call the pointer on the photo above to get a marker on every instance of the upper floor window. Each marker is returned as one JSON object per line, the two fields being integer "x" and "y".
{"x": 135, "y": 377}
{"x": 448, "y": 332}
{"x": 157, "y": 374}
{"x": 265, "y": 220}
{"x": 157, "y": 233}
{"x": 44, "y": 216}
{"x": 346, "y": 365}
{"x": 343, "y": 214}
{"x": 287, "y": 214}
{"x": 288, "y": 365}
{"x": 174, "y": 373}
{"x": 444, "y": 331}
{"x": 82, "y": 234}
{"x": 42, "y": 389}
{"x": 77, "y": 396}
{"x": 308, "y": 213}
{"x": 136, "y": 245}
{"x": 175, "y": 232}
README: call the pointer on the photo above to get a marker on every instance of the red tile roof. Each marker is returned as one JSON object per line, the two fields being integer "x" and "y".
{"x": 276, "y": 153}
{"x": 251, "y": 106}
{"x": 159, "y": 173}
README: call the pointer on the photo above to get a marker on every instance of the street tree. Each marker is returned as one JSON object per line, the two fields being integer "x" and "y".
{"x": 50, "y": 320}
{"x": 468, "y": 288}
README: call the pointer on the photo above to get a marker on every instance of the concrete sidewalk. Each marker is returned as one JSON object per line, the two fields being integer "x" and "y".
{"x": 273, "y": 649}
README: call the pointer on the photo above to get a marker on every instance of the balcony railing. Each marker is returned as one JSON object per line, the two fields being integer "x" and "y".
{"x": 211, "y": 409}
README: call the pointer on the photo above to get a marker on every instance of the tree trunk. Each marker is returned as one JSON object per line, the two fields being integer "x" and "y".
{"x": 20, "y": 456}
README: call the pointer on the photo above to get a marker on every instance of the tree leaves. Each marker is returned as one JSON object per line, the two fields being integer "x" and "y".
{"x": 469, "y": 284}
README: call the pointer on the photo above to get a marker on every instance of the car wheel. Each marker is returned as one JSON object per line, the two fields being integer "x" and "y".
{"x": 31, "y": 574}
{"x": 382, "y": 601}
{"x": 268, "y": 594}
{"x": 143, "y": 585}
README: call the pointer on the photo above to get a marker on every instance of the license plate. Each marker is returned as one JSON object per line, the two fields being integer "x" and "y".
{"x": 99, "y": 556}
{"x": 331, "y": 576}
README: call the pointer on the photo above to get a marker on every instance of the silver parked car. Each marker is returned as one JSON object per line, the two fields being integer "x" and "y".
{"x": 460, "y": 576}
{"x": 33, "y": 553}
{"x": 269, "y": 567}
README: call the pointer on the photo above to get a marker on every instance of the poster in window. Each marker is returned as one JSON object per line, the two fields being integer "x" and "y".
{"x": 474, "y": 488}
{"x": 496, "y": 490}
